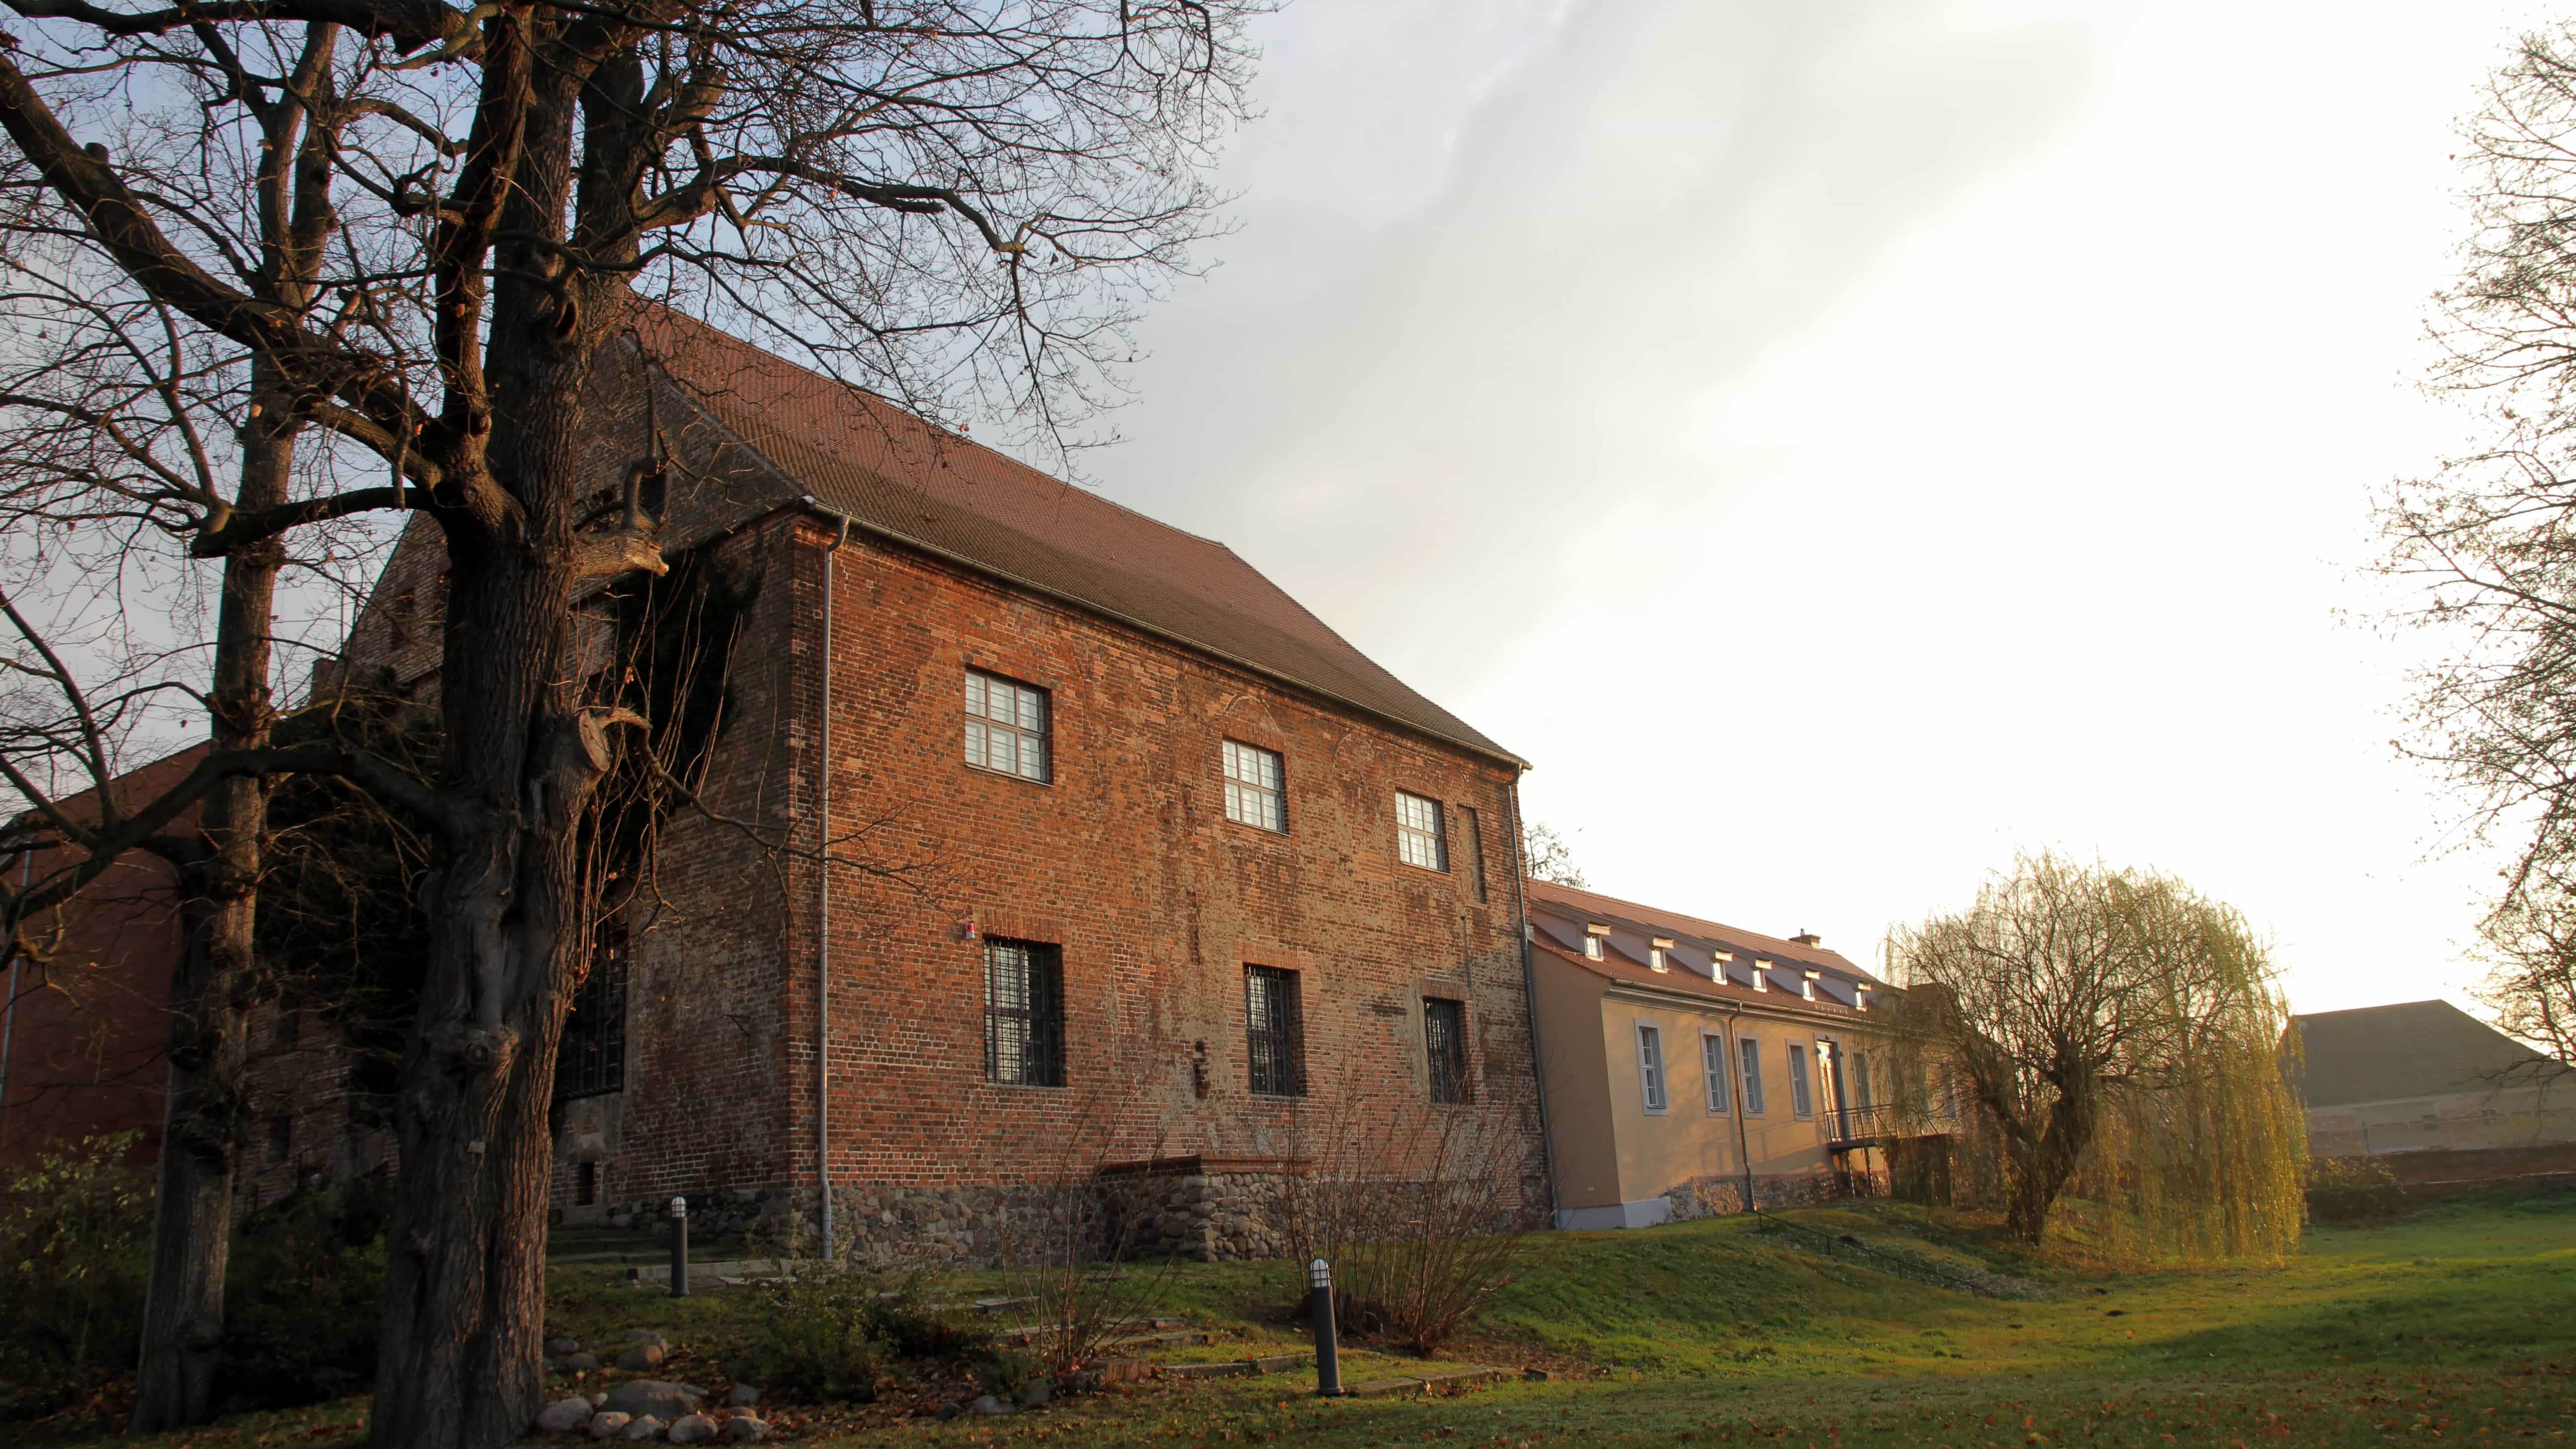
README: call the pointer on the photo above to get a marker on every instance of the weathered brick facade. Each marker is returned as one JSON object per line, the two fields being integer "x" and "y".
{"x": 1123, "y": 858}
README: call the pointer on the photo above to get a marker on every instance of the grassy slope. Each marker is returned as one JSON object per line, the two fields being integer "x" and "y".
{"x": 2457, "y": 1324}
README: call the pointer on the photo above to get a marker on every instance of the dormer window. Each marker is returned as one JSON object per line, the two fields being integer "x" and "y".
{"x": 1761, "y": 975}
{"x": 1807, "y": 984}
{"x": 1860, "y": 997}
{"x": 1592, "y": 937}
{"x": 1657, "y": 958}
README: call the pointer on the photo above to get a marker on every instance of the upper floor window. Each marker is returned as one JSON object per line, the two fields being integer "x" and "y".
{"x": 1749, "y": 1054}
{"x": 1592, "y": 945}
{"x": 1006, "y": 726}
{"x": 1444, "y": 1046}
{"x": 1275, "y": 1031}
{"x": 1659, "y": 954}
{"x": 1650, "y": 1066}
{"x": 1713, "y": 1070}
{"x": 1419, "y": 839}
{"x": 1254, "y": 794}
{"x": 1802, "y": 1099}
{"x": 1023, "y": 1013}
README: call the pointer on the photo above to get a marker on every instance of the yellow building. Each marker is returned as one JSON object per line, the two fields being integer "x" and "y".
{"x": 1688, "y": 1064}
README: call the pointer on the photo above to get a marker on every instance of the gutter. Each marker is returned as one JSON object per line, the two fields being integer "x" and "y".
{"x": 1529, "y": 1000}
{"x": 823, "y": 912}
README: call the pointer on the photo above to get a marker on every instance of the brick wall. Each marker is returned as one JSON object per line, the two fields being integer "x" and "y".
{"x": 1125, "y": 860}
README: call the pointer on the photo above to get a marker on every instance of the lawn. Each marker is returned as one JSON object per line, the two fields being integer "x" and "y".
{"x": 2458, "y": 1323}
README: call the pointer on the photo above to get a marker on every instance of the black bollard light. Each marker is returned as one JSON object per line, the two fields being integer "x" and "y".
{"x": 679, "y": 1247}
{"x": 1328, "y": 1367}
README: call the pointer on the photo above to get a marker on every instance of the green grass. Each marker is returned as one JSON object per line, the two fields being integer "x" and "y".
{"x": 2457, "y": 1324}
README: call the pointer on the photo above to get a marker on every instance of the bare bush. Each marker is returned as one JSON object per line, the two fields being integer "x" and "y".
{"x": 1070, "y": 1249}
{"x": 1423, "y": 1217}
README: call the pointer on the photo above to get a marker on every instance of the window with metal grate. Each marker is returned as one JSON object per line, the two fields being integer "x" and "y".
{"x": 1275, "y": 1030}
{"x": 1023, "y": 1013}
{"x": 1444, "y": 1045}
{"x": 592, "y": 1059}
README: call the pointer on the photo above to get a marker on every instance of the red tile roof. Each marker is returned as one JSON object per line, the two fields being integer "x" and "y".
{"x": 1570, "y": 902}
{"x": 901, "y": 477}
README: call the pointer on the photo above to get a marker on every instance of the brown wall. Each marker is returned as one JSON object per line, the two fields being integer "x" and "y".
{"x": 86, "y": 1040}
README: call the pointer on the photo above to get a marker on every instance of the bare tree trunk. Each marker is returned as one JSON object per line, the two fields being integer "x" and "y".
{"x": 214, "y": 985}
{"x": 464, "y": 1307}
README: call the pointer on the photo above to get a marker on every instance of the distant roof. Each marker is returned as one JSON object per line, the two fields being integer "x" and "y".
{"x": 899, "y": 476}
{"x": 1656, "y": 921}
{"x": 2410, "y": 1049}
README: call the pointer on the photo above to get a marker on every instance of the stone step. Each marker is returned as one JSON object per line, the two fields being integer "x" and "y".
{"x": 1208, "y": 1370}
{"x": 1426, "y": 1383}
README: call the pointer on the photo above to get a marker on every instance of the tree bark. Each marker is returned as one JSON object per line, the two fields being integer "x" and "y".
{"x": 464, "y": 1306}
{"x": 214, "y": 986}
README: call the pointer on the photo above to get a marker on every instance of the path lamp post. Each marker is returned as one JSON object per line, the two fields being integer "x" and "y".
{"x": 1328, "y": 1368}
{"x": 679, "y": 1247}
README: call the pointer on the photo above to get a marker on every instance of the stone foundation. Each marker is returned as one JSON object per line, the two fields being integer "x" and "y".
{"x": 1723, "y": 1195}
{"x": 1201, "y": 1208}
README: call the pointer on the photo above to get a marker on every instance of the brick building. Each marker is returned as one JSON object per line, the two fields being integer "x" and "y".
{"x": 1136, "y": 864}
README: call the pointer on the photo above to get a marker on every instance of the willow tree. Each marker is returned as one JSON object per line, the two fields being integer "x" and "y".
{"x": 2113, "y": 1033}
{"x": 949, "y": 201}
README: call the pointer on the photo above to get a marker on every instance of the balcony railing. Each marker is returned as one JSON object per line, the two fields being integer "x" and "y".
{"x": 1846, "y": 1126}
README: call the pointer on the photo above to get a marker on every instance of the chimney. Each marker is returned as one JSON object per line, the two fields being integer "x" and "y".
{"x": 1808, "y": 938}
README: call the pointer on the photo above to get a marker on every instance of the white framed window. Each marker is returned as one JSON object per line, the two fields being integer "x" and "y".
{"x": 1713, "y": 1067}
{"x": 1650, "y": 1066}
{"x": 1748, "y": 1055}
{"x": 1761, "y": 975}
{"x": 1807, "y": 985}
{"x": 1006, "y": 727}
{"x": 1592, "y": 945}
{"x": 1802, "y": 1095}
{"x": 1659, "y": 955}
{"x": 1255, "y": 790}
{"x": 1419, "y": 838}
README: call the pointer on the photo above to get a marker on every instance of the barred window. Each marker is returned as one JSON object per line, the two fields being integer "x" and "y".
{"x": 592, "y": 1059}
{"x": 1006, "y": 727}
{"x": 1444, "y": 1044}
{"x": 1275, "y": 1029}
{"x": 1253, "y": 791}
{"x": 1418, "y": 837}
{"x": 1023, "y": 1014}
{"x": 1713, "y": 1070}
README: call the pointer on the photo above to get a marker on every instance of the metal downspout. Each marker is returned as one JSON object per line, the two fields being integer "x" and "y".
{"x": 1743, "y": 1148}
{"x": 1529, "y": 999}
{"x": 823, "y": 910}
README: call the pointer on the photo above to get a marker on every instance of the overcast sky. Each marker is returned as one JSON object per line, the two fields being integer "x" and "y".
{"x": 1841, "y": 444}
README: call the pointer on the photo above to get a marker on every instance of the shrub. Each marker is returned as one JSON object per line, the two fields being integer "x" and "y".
{"x": 1418, "y": 1220}
{"x": 832, "y": 1331}
{"x": 1070, "y": 1252}
{"x": 75, "y": 1234}
{"x": 303, "y": 1299}
{"x": 2353, "y": 1190}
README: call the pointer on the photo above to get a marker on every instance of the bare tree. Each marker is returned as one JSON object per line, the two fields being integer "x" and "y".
{"x": 946, "y": 201}
{"x": 1549, "y": 856}
{"x": 2069, "y": 999}
{"x": 127, "y": 434}
{"x": 2490, "y": 538}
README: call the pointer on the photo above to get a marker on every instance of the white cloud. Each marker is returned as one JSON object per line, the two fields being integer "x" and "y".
{"x": 1842, "y": 443}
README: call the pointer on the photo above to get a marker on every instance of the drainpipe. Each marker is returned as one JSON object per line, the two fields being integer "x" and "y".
{"x": 1743, "y": 1148}
{"x": 1529, "y": 998}
{"x": 823, "y": 908}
